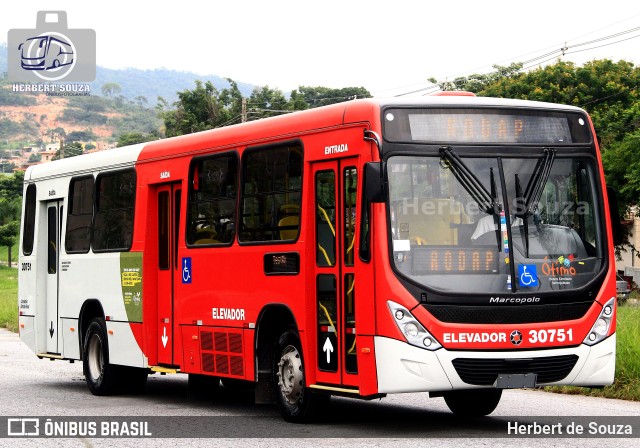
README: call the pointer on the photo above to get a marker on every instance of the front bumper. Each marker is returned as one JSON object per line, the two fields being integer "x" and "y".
{"x": 405, "y": 368}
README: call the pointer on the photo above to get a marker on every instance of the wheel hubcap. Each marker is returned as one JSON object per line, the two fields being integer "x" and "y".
{"x": 290, "y": 375}
{"x": 96, "y": 362}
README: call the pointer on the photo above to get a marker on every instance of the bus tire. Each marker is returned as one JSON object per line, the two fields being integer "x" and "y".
{"x": 102, "y": 377}
{"x": 294, "y": 400}
{"x": 473, "y": 403}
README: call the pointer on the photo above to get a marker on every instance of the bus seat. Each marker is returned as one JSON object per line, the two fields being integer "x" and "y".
{"x": 432, "y": 221}
{"x": 289, "y": 227}
{"x": 289, "y": 209}
{"x": 206, "y": 233}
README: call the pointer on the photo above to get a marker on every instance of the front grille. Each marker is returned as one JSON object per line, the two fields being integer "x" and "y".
{"x": 484, "y": 372}
{"x": 522, "y": 314}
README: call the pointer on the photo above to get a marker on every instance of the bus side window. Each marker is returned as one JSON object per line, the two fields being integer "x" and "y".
{"x": 272, "y": 185}
{"x": 212, "y": 200}
{"x": 79, "y": 215}
{"x": 114, "y": 209}
{"x": 29, "y": 220}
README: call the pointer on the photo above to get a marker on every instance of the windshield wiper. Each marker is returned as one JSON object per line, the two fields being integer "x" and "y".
{"x": 527, "y": 202}
{"x": 487, "y": 201}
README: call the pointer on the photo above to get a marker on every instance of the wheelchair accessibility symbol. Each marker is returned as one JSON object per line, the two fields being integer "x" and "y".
{"x": 186, "y": 270}
{"x": 527, "y": 275}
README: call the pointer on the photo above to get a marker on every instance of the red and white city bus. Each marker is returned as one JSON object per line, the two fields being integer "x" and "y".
{"x": 449, "y": 244}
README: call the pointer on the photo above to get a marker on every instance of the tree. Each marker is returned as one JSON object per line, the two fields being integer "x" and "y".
{"x": 35, "y": 158}
{"x": 323, "y": 96}
{"x": 11, "y": 186}
{"x": 111, "y": 88}
{"x": 10, "y": 207}
{"x": 206, "y": 108}
{"x": 201, "y": 108}
{"x": 141, "y": 100}
{"x": 623, "y": 168}
{"x": 70, "y": 150}
{"x": 131, "y": 138}
{"x": 266, "y": 102}
{"x": 9, "y": 224}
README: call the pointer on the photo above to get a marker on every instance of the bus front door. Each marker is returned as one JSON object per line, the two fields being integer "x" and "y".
{"x": 335, "y": 184}
{"x": 169, "y": 269}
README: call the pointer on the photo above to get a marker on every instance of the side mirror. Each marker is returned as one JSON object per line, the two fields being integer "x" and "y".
{"x": 614, "y": 215}
{"x": 373, "y": 187}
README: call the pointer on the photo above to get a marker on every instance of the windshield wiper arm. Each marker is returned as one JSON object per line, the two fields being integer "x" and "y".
{"x": 529, "y": 200}
{"x": 487, "y": 201}
{"x": 538, "y": 180}
{"x": 469, "y": 181}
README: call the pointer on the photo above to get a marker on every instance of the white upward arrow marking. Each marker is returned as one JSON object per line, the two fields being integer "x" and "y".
{"x": 328, "y": 349}
{"x": 165, "y": 338}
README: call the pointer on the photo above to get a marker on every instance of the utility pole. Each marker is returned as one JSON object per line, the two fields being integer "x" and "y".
{"x": 244, "y": 110}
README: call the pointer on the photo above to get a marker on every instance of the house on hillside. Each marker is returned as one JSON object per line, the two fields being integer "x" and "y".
{"x": 47, "y": 155}
{"x": 54, "y": 146}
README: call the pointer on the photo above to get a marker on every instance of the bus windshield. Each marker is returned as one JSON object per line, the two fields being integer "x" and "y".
{"x": 471, "y": 224}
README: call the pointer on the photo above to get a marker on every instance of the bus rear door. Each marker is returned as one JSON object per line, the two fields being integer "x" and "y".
{"x": 53, "y": 217}
{"x": 169, "y": 268}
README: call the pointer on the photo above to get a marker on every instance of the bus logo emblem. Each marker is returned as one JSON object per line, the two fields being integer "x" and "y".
{"x": 516, "y": 337}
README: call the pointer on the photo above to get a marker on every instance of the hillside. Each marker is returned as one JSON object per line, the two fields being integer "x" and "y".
{"x": 145, "y": 83}
{"x": 35, "y": 120}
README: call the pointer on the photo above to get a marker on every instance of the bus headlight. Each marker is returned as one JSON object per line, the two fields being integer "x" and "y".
{"x": 600, "y": 329}
{"x": 413, "y": 331}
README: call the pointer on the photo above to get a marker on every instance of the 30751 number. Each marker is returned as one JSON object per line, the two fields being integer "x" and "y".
{"x": 551, "y": 335}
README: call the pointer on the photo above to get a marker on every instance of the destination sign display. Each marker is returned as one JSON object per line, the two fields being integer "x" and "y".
{"x": 454, "y": 260}
{"x": 485, "y": 126}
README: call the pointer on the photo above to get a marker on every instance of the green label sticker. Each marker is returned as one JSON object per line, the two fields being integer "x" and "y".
{"x": 131, "y": 281}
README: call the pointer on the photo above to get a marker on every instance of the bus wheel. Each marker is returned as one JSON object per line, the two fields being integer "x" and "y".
{"x": 473, "y": 403}
{"x": 100, "y": 375}
{"x": 295, "y": 402}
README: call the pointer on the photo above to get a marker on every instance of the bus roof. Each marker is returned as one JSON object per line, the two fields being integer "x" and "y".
{"x": 87, "y": 163}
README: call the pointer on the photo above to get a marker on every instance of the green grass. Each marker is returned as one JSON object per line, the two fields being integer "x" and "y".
{"x": 9, "y": 298}
{"x": 627, "y": 380}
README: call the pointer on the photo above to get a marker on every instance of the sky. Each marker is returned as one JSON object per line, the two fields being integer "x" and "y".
{"x": 389, "y": 47}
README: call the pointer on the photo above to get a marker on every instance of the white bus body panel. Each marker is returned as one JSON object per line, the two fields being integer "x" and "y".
{"x": 81, "y": 277}
{"x": 402, "y": 367}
